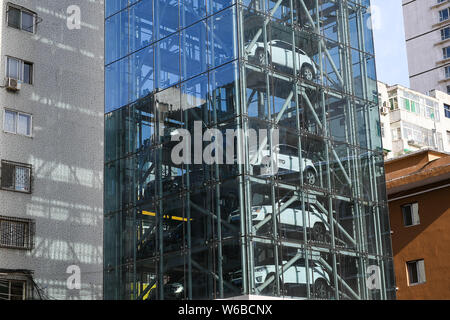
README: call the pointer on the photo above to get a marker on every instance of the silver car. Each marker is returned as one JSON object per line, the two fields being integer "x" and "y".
{"x": 280, "y": 53}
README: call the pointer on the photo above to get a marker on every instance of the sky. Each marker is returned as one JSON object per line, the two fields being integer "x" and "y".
{"x": 389, "y": 41}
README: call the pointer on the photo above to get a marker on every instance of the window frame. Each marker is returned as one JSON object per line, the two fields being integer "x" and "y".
{"x": 21, "y": 165}
{"x": 8, "y": 282}
{"x": 414, "y": 222}
{"x": 18, "y": 113}
{"x": 444, "y": 15}
{"x": 27, "y": 236}
{"x": 21, "y": 69}
{"x": 22, "y": 10}
{"x": 417, "y": 263}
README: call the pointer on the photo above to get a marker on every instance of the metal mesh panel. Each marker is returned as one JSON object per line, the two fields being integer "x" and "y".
{"x": 16, "y": 176}
{"x": 17, "y": 233}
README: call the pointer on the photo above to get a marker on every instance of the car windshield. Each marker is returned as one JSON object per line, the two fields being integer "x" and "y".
{"x": 288, "y": 150}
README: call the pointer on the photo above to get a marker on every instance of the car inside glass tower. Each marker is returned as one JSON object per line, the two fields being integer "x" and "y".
{"x": 298, "y": 212}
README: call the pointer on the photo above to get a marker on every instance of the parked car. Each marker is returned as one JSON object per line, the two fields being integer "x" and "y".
{"x": 292, "y": 278}
{"x": 296, "y": 276}
{"x": 291, "y": 219}
{"x": 280, "y": 53}
{"x": 286, "y": 164}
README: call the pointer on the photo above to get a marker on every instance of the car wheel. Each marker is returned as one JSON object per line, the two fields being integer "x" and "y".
{"x": 310, "y": 177}
{"x": 307, "y": 72}
{"x": 320, "y": 289}
{"x": 319, "y": 232}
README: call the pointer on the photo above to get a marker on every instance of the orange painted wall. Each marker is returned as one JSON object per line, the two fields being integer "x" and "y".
{"x": 429, "y": 241}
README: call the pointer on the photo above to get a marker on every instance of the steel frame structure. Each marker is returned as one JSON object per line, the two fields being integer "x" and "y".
{"x": 332, "y": 119}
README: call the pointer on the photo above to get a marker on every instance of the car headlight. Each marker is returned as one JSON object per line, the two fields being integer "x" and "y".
{"x": 260, "y": 269}
{"x": 259, "y": 279}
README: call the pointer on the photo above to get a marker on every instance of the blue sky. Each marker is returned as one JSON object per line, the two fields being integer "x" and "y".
{"x": 389, "y": 40}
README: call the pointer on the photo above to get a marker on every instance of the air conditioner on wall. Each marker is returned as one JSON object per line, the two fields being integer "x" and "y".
{"x": 384, "y": 110}
{"x": 13, "y": 84}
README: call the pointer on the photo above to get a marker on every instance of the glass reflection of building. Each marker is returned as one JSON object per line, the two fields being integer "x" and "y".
{"x": 318, "y": 228}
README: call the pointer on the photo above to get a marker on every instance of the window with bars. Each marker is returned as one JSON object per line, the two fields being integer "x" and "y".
{"x": 16, "y": 233}
{"x": 15, "y": 176}
{"x": 13, "y": 289}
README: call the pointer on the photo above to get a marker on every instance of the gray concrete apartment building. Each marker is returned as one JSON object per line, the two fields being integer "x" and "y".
{"x": 427, "y": 34}
{"x": 51, "y": 149}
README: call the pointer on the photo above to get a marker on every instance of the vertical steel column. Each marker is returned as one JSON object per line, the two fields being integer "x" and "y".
{"x": 188, "y": 218}
{"x": 243, "y": 159}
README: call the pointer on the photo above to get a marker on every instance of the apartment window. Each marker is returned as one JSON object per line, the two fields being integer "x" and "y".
{"x": 445, "y": 33}
{"x": 17, "y": 123}
{"x": 16, "y": 176}
{"x": 410, "y": 214}
{"x": 447, "y": 110}
{"x": 21, "y": 19}
{"x": 446, "y": 52}
{"x": 19, "y": 69}
{"x": 447, "y": 72}
{"x": 16, "y": 233}
{"x": 13, "y": 289}
{"x": 416, "y": 272}
{"x": 443, "y": 14}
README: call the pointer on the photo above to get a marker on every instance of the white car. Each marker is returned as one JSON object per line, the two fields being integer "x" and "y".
{"x": 291, "y": 219}
{"x": 287, "y": 162}
{"x": 280, "y": 53}
{"x": 295, "y": 275}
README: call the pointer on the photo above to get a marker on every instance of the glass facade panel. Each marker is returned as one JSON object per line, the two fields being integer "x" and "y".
{"x": 243, "y": 153}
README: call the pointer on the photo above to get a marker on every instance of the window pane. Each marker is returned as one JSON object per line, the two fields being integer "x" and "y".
{"x": 412, "y": 272}
{"x": 27, "y": 22}
{"x": 407, "y": 215}
{"x": 4, "y": 286}
{"x": 10, "y": 121}
{"x": 17, "y": 290}
{"x": 24, "y": 124}
{"x": 168, "y": 62}
{"x": 27, "y": 73}
{"x": 13, "y": 68}
{"x": 116, "y": 34}
{"x": 194, "y": 58}
{"x": 141, "y": 25}
{"x": 221, "y": 40}
{"x": 22, "y": 179}
{"x": 421, "y": 271}
{"x": 116, "y": 85}
{"x": 14, "y": 18}
{"x": 7, "y": 180}
{"x": 415, "y": 213}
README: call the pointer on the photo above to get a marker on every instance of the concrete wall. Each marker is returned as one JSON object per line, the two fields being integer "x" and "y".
{"x": 424, "y": 45}
{"x": 66, "y": 149}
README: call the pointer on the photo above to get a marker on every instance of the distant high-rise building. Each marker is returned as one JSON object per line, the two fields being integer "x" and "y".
{"x": 51, "y": 149}
{"x": 411, "y": 121}
{"x": 427, "y": 33}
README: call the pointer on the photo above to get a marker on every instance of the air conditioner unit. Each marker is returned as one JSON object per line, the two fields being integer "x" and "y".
{"x": 13, "y": 84}
{"x": 384, "y": 110}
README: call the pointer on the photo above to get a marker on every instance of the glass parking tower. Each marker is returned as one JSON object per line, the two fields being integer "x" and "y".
{"x": 316, "y": 227}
